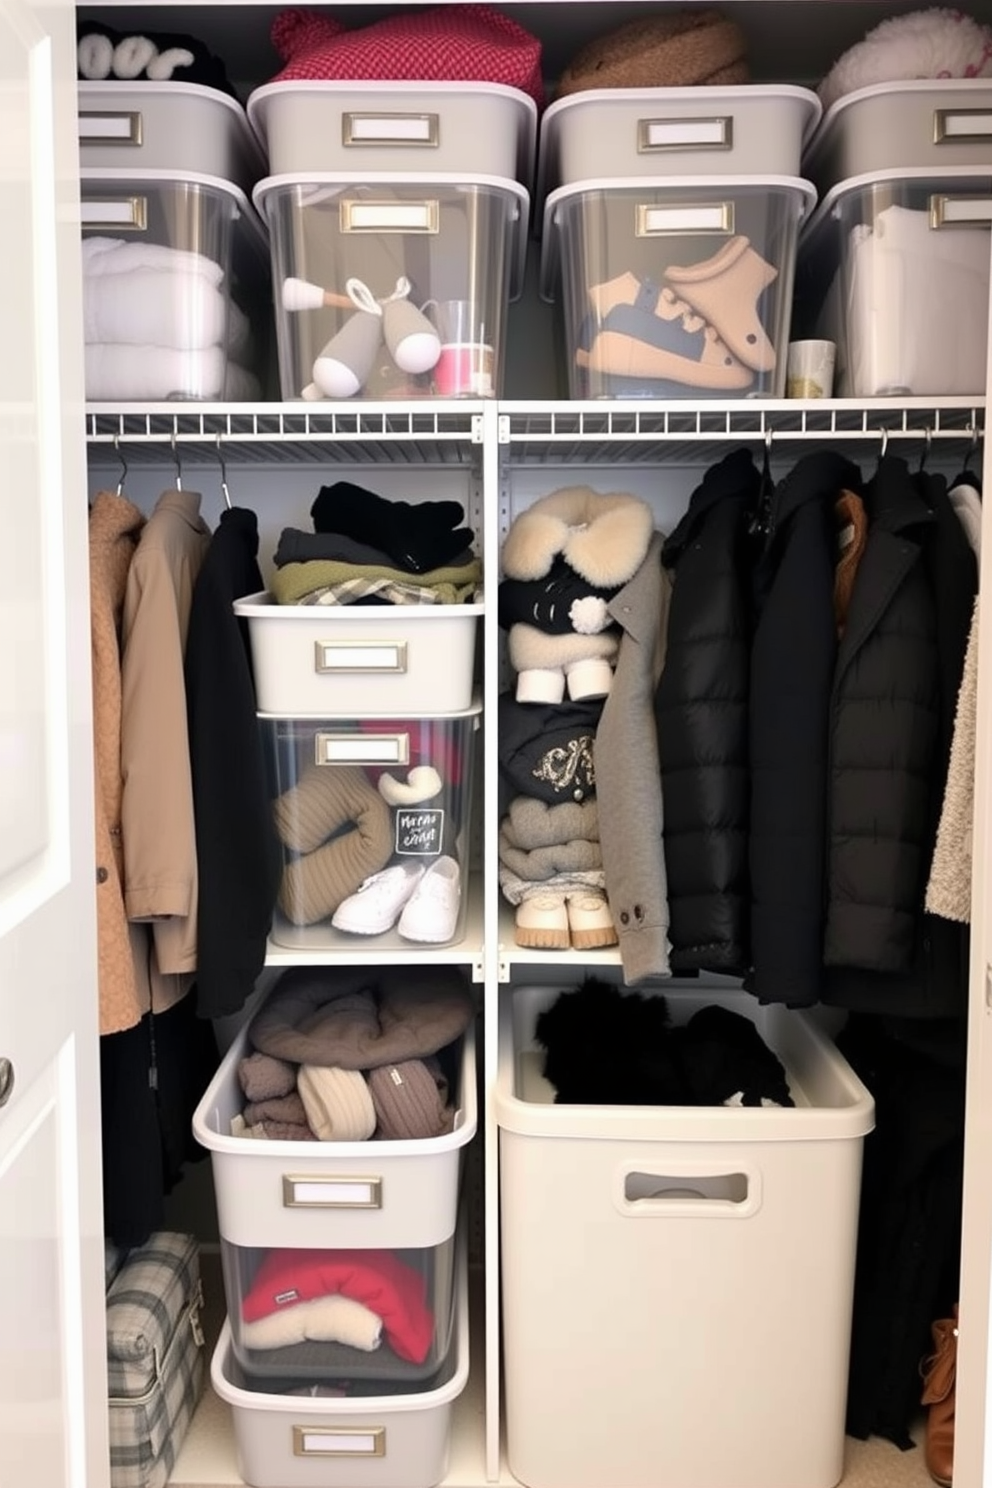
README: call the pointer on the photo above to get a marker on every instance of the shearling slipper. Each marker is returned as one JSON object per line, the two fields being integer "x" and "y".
{"x": 604, "y": 537}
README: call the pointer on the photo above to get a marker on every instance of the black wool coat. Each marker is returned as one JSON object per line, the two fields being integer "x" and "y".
{"x": 701, "y": 716}
{"x": 238, "y": 857}
{"x": 883, "y": 736}
{"x": 792, "y": 664}
{"x": 935, "y": 982}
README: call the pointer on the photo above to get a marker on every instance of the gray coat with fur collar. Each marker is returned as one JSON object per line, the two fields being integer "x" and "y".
{"x": 628, "y": 774}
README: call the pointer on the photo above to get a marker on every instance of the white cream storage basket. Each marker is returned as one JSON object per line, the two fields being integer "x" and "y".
{"x": 660, "y": 1264}
{"x": 352, "y": 659}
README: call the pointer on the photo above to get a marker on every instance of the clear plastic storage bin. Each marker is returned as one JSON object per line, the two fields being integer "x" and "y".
{"x": 932, "y": 124}
{"x": 661, "y": 1265}
{"x": 894, "y": 268}
{"x": 675, "y": 289}
{"x": 170, "y": 126}
{"x": 373, "y": 818}
{"x": 356, "y": 658}
{"x": 750, "y": 129}
{"x": 359, "y": 1440}
{"x": 382, "y": 1317}
{"x": 393, "y": 287}
{"x": 176, "y": 296}
{"x": 398, "y": 126}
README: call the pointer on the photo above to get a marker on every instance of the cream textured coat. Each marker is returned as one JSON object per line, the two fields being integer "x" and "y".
{"x": 949, "y": 887}
{"x": 160, "y": 883}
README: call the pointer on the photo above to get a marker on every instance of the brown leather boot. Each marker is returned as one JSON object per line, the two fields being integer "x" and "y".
{"x": 939, "y": 1373}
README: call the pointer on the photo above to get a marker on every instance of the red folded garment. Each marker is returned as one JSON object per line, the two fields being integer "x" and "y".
{"x": 391, "y": 1289}
{"x": 458, "y": 43}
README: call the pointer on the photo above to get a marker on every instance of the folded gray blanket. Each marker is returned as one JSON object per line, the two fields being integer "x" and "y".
{"x": 359, "y": 1018}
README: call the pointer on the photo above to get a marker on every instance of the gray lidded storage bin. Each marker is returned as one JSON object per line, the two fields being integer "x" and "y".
{"x": 747, "y": 129}
{"x": 404, "y": 127}
{"x": 177, "y": 126}
{"x": 660, "y": 1265}
{"x": 932, "y": 124}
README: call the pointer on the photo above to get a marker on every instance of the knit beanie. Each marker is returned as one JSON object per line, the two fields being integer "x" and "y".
{"x": 457, "y": 43}
{"x": 337, "y": 1102}
{"x": 410, "y": 1100}
{"x": 676, "y": 49}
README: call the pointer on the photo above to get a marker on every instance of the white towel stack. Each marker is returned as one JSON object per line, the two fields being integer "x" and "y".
{"x": 158, "y": 324}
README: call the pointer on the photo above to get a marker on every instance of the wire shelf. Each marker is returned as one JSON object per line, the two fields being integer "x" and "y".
{"x": 441, "y": 434}
{"x": 592, "y": 433}
{"x": 528, "y": 433}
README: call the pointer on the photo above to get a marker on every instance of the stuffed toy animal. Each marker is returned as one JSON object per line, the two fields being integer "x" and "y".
{"x": 345, "y": 364}
{"x": 106, "y": 55}
{"x": 935, "y": 43}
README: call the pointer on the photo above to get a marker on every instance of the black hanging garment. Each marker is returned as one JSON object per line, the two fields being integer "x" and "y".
{"x": 701, "y": 715}
{"x": 237, "y": 853}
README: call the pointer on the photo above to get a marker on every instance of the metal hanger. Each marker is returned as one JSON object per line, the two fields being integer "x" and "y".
{"x": 123, "y": 475}
{"x": 223, "y": 475}
{"x": 175, "y": 456}
{"x": 925, "y": 455}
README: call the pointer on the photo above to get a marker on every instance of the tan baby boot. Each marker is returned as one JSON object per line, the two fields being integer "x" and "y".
{"x": 725, "y": 291}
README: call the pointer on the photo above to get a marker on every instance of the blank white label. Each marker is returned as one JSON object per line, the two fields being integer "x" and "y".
{"x": 964, "y": 211}
{"x": 357, "y": 216}
{"x": 128, "y": 213}
{"x": 316, "y": 1442}
{"x": 336, "y": 1193}
{"x": 124, "y": 127}
{"x": 966, "y": 125}
{"x": 388, "y": 129}
{"x": 337, "y": 656}
{"x": 675, "y": 134}
{"x": 716, "y": 217}
{"x": 363, "y": 749}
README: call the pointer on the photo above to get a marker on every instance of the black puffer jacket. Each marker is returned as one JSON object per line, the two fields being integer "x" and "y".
{"x": 883, "y": 736}
{"x": 792, "y": 667}
{"x": 701, "y": 706}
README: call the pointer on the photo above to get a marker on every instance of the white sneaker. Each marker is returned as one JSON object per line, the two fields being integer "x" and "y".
{"x": 376, "y": 904}
{"x": 432, "y": 911}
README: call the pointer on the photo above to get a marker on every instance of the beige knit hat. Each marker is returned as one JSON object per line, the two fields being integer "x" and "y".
{"x": 676, "y": 49}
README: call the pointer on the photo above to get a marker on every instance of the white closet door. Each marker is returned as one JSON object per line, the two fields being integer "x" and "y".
{"x": 53, "y": 1408}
